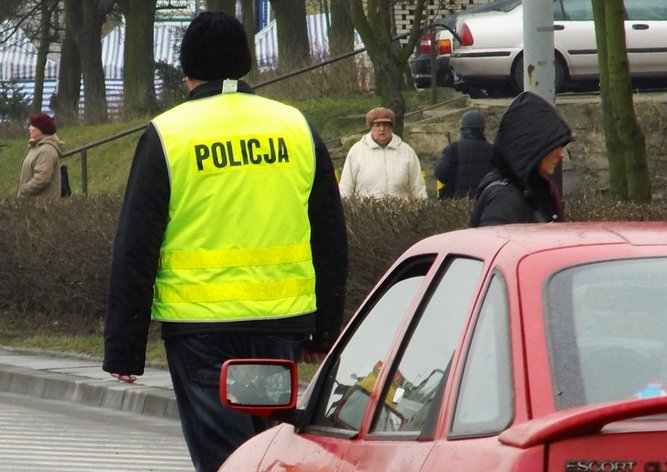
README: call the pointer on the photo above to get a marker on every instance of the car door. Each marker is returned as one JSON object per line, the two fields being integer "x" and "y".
{"x": 399, "y": 433}
{"x": 487, "y": 396}
{"x": 574, "y": 36}
{"x": 337, "y": 401}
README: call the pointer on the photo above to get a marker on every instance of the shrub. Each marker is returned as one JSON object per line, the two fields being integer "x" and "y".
{"x": 54, "y": 262}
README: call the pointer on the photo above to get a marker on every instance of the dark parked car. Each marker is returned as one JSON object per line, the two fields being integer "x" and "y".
{"x": 420, "y": 64}
{"x": 444, "y": 28}
{"x": 520, "y": 348}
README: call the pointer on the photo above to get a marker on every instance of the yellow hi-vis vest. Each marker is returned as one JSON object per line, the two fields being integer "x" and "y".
{"x": 237, "y": 242}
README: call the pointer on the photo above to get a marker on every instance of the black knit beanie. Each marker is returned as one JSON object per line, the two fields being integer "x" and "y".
{"x": 215, "y": 46}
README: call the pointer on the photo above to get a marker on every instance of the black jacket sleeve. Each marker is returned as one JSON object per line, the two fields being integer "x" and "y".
{"x": 445, "y": 170}
{"x": 329, "y": 247}
{"x": 136, "y": 251}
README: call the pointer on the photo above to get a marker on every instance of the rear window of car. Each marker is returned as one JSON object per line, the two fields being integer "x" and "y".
{"x": 606, "y": 325}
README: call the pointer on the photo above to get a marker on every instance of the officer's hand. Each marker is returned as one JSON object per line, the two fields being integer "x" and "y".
{"x": 124, "y": 377}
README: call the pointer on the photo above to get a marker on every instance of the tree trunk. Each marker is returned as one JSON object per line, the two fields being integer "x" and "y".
{"x": 42, "y": 53}
{"x": 293, "y": 43}
{"x": 341, "y": 41}
{"x": 139, "y": 60}
{"x": 620, "y": 86}
{"x": 65, "y": 101}
{"x": 629, "y": 177}
{"x": 618, "y": 189}
{"x": 87, "y": 19}
{"x": 388, "y": 73}
{"x": 375, "y": 25}
{"x": 250, "y": 25}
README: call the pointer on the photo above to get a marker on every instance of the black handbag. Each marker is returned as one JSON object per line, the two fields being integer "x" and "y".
{"x": 65, "y": 189}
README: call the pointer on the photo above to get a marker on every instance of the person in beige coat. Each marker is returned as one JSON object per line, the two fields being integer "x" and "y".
{"x": 40, "y": 171}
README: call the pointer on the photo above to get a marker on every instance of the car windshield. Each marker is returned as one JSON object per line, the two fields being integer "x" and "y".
{"x": 607, "y": 325}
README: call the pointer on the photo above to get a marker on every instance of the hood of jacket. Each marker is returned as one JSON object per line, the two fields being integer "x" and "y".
{"x": 51, "y": 140}
{"x": 530, "y": 128}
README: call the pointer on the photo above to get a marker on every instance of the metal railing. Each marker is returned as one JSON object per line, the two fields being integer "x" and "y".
{"x": 83, "y": 150}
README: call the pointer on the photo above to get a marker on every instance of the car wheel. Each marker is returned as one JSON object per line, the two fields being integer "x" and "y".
{"x": 559, "y": 74}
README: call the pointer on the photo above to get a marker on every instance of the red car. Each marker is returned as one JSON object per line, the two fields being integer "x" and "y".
{"x": 512, "y": 348}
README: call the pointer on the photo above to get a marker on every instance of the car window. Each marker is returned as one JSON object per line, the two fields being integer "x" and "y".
{"x": 606, "y": 328}
{"x": 573, "y": 10}
{"x": 416, "y": 383}
{"x": 352, "y": 375}
{"x": 646, "y": 9}
{"x": 484, "y": 404}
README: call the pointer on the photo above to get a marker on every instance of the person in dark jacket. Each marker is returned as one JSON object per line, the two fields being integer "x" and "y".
{"x": 529, "y": 145}
{"x": 465, "y": 162}
{"x": 231, "y": 234}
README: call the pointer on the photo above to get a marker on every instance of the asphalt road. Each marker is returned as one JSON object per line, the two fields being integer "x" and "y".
{"x": 46, "y": 435}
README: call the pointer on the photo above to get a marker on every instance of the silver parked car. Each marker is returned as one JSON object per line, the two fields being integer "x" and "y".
{"x": 488, "y": 53}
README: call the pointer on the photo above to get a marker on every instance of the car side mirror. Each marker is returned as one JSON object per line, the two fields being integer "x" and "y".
{"x": 260, "y": 387}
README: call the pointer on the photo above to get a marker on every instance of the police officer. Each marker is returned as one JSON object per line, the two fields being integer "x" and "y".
{"x": 231, "y": 235}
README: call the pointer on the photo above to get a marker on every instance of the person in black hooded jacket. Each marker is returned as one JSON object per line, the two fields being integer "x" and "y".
{"x": 529, "y": 145}
{"x": 465, "y": 162}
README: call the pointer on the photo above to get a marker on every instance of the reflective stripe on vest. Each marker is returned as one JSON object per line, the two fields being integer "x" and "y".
{"x": 237, "y": 245}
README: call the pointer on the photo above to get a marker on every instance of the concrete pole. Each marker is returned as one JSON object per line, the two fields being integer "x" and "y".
{"x": 538, "y": 57}
{"x": 538, "y": 51}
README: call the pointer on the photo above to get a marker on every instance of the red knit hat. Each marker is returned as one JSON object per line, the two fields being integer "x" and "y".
{"x": 43, "y": 122}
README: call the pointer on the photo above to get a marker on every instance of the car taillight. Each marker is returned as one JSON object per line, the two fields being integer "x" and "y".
{"x": 444, "y": 46}
{"x": 425, "y": 44}
{"x": 466, "y": 36}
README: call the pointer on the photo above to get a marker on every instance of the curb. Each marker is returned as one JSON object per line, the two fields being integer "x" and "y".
{"x": 83, "y": 382}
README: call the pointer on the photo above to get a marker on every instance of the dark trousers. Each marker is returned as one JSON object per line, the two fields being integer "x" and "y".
{"x": 212, "y": 432}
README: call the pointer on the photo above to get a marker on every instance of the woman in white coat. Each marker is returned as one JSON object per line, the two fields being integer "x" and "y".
{"x": 381, "y": 164}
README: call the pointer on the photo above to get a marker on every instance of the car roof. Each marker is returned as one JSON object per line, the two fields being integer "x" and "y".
{"x": 530, "y": 238}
